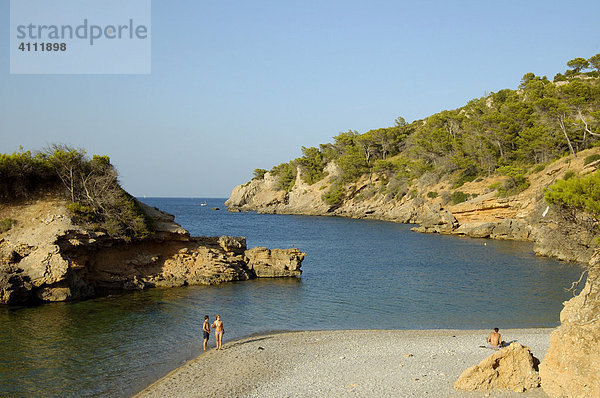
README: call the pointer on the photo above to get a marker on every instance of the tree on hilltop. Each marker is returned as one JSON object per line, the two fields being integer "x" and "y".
{"x": 595, "y": 62}
{"x": 578, "y": 64}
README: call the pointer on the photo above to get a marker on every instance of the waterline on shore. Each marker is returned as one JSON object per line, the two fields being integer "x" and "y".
{"x": 341, "y": 362}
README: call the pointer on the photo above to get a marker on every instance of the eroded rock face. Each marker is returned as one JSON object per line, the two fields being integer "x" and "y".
{"x": 513, "y": 368}
{"x": 48, "y": 258}
{"x": 571, "y": 367}
{"x": 267, "y": 263}
{"x": 524, "y": 216}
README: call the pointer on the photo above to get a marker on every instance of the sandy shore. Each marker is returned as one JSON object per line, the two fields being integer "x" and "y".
{"x": 348, "y": 363}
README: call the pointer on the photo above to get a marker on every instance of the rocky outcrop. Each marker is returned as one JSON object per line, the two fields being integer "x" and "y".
{"x": 274, "y": 263}
{"x": 524, "y": 216}
{"x": 513, "y": 368}
{"x": 46, "y": 257}
{"x": 571, "y": 367}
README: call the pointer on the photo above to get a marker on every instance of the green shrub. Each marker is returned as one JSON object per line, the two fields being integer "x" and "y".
{"x": 432, "y": 194}
{"x": 495, "y": 186}
{"x": 81, "y": 212}
{"x": 469, "y": 174}
{"x": 335, "y": 195}
{"x": 90, "y": 185}
{"x": 591, "y": 158}
{"x": 569, "y": 174}
{"x": 459, "y": 197}
{"x": 312, "y": 163}
{"x": 22, "y": 175}
{"x": 6, "y": 224}
{"x": 538, "y": 168}
{"x": 577, "y": 193}
{"x": 259, "y": 174}
{"x": 286, "y": 173}
{"x": 511, "y": 171}
{"x": 559, "y": 78}
{"x": 513, "y": 185}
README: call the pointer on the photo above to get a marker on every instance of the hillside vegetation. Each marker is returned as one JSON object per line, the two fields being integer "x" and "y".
{"x": 510, "y": 133}
{"x": 90, "y": 185}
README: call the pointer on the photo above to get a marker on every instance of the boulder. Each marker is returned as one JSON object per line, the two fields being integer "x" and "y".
{"x": 571, "y": 367}
{"x": 476, "y": 230}
{"x": 274, "y": 263}
{"x": 234, "y": 245}
{"x": 513, "y": 368}
{"x": 14, "y": 287}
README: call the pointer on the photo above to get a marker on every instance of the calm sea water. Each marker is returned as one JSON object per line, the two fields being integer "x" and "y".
{"x": 357, "y": 275}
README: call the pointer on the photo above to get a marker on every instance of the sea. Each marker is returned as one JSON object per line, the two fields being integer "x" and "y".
{"x": 357, "y": 274}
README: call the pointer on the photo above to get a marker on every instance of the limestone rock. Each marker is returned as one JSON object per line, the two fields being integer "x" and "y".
{"x": 524, "y": 216}
{"x": 513, "y": 368}
{"x": 476, "y": 230}
{"x": 60, "y": 292}
{"x": 571, "y": 367}
{"x": 234, "y": 245}
{"x": 48, "y": 258}
{"x": 14, "y": 287}
{"x": 267, "y": 263}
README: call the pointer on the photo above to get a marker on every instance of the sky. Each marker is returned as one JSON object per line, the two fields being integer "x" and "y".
{"x": 240, "y": 85}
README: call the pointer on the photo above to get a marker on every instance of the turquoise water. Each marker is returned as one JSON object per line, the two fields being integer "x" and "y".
{"x": 358, "y": 274}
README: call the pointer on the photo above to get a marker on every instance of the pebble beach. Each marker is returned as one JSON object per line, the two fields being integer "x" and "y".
{"x": 345, "y": 363}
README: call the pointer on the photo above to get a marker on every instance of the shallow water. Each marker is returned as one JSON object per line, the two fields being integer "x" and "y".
{"x": 358, "y": 274}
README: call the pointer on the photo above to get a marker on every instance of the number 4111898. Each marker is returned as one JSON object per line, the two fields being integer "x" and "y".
{"x": 43, "y": 47}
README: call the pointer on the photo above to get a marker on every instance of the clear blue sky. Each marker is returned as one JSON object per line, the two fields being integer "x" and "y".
{"x": 239, "y": 85}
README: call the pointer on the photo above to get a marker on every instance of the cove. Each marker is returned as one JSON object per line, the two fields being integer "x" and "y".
{"x": 358, "y": 274}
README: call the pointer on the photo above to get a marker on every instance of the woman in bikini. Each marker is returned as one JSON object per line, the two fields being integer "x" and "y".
{"x": 219, "y": 330}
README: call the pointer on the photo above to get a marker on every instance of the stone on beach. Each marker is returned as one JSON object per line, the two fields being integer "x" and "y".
{"x": 513, "y": 367}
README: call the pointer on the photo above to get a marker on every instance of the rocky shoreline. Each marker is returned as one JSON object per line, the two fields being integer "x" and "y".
{"x": 524, "y": 216}
{"x": 45, "y": 257}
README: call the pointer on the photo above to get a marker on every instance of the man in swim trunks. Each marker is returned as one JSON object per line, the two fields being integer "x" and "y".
{"x": 206, "y": 329}
{"x": 219, "y": 330}
{"x": 495, "y": 340}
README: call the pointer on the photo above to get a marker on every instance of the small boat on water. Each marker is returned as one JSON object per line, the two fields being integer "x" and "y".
{"x": 203, "y": 204}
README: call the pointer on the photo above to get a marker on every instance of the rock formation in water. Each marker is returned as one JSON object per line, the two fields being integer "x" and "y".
{"x": 571, "y": 367}
{"x": 46, "y": 257}
{"x": 513, "y": 368}
{"x": 524, "y": 216}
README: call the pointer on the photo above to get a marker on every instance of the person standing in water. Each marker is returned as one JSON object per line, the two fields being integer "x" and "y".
{"x": 206, "y": 329}
{"x": 219, "y": 330}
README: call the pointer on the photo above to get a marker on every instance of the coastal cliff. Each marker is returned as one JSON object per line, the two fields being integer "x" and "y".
{"x": 523, "y": 216}
{"x": 46, "y": 257}
{"x": 570, "y": 367}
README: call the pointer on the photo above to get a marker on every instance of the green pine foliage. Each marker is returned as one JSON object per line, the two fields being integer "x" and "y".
{"x": 591, "y": 158}
{"x": 510, "y": 132}
{"x": 259, "y": 174}
{"x": 335, "y": 195}
{"x": 459, "y": 197}
{"x": 576, "y": 193}
{"x": 90, "y": 185}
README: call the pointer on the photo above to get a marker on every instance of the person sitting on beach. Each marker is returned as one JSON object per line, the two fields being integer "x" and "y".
{"x": 206, "y": 329}
{"x": 495, "y": 340}
{"x": 219, "y": 330}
